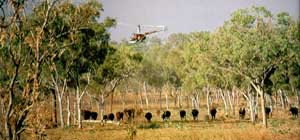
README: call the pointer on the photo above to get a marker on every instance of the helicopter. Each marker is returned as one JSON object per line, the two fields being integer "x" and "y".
{"x": 140, "y": 37}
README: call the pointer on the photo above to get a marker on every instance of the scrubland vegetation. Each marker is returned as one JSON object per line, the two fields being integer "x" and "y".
{"x": 57, "y": 60}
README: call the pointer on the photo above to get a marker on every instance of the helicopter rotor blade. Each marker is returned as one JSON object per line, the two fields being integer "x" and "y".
{"x": 162, "y": 27}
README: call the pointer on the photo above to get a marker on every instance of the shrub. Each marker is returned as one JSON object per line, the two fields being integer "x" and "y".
{"x": 152, "y": 125}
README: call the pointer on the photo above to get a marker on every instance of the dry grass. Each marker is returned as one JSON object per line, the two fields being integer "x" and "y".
{"x": 187, "y": 130}
{"x": 281, "y": 127}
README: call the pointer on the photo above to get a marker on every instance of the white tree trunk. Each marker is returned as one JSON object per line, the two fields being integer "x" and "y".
{"x": 141, "y": 100}
{"x": 146, "y": 96}
{"x": 167, "y": 101}
{"x": 60, "y": 94}
{"x": 180, "y": 100}
{"x": 224, "y": 101}
{"x": 101, "y": 105}
{"x": 208, "y": 100}
{"x": 160, "y": 100}
{"x": 197, "y": 102}
{"x": 79, "y": 98}
{"x": 74, "y": 113}
{"x": 78, "y": 103}
{"x": 230, "y": 96}
{"x": 123, "y": 101}
{"x": 281, "y": 99}
{"x": 60, "y": 110}
{"x": 69, "y": 111}
{"x": 262, "y": 101}
{"x": 193, "y": 101}
{"x": 251, "y": 103}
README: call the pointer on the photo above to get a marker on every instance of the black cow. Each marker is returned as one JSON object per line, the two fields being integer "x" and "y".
{"x": 86, "y": 114}
{"x": 268, "y": 111}
{"x": 105, "y": 118}
{"x": 119, "y": 116}
{"x": 111, "y": 116}
{"x": 294, "y": 111}
{"x": 89, "y": 115}
{"x": 213, "y": 113}
{"x": 195, "y": 113}
{"x": 166, "y": 115}
{"x": 94, "y": 115}
{"x": 148, "y": 116}
{"x": 242, "y": 112}
{"x": 182, "y": 114}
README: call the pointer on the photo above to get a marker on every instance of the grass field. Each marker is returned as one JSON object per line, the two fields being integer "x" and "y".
{"x": 278, "y": 130}
{"x": 281, "y": 126}
{"x": 229, "y": 129}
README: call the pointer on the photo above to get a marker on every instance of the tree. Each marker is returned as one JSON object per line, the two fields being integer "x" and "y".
{"x": 247, "y": 46}
{"x": 29, "y": 42}
{"x": 23, "y": 58}
{"x": 122, "y": 63}
{"x": 89, "y": 46}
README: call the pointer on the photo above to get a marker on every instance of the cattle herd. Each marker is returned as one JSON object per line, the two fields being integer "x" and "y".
{"x": 166, "y": 115}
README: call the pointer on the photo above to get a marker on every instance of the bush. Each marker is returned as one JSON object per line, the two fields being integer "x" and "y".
{"x": 152, "y": 125}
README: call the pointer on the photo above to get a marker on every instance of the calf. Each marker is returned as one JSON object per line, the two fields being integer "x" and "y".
{"x": 182, "y": 114}
{"x": 242, "y": 112}
{"x": 166, "y": 115}
{"x": 268, "y": 111}
{"x": 148, "y": 116}
{"x": 213, "y": 113}
{"x": 294, "y": 111}
{"x": 119, "y": 116}
{"x": 111, "y": 116}
{"x": 195, "y": 113}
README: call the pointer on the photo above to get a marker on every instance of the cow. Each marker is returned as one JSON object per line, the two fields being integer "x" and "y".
{"x": 89, "y": 115}
{"x": 104, "y": 118}
{"x": 148, "y": 116}
{"x": 86, "y": 114}
{"x": 294, "y": 111}
{"x": 195, "y": 113}
{"x": 129, "y": 113}
{"x": 111, "y": 116}
{"x": 242, "y": 112}
{"x": 268, "y": 111}
{"x": 213, "y": 113}
{"x": 119, "y": 116}
{"x": 166, "y": 115}
{"x": 182, "y": 114}
{"x": 94, "y": 115}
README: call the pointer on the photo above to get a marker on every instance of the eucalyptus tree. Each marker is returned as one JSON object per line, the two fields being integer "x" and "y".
{"x": 122, "y": 63}
{"x": 89, "y": 45}
{"x": 286, "y": 77}
{"x": 23, "y": 56}
{"x": 53, "y": 30}
{"x": 247, "y": 46}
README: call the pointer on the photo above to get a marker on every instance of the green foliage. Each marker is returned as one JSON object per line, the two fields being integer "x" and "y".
{"x": 56, "y": 39}
{"x": 251, "y": 47}
{"x": 151, "y": 125}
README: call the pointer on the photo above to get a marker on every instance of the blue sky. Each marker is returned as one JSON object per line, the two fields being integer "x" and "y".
{"x": 183, "y": 15}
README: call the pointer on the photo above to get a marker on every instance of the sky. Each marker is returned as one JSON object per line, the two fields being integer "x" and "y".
{"x": 183, "y": 15}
